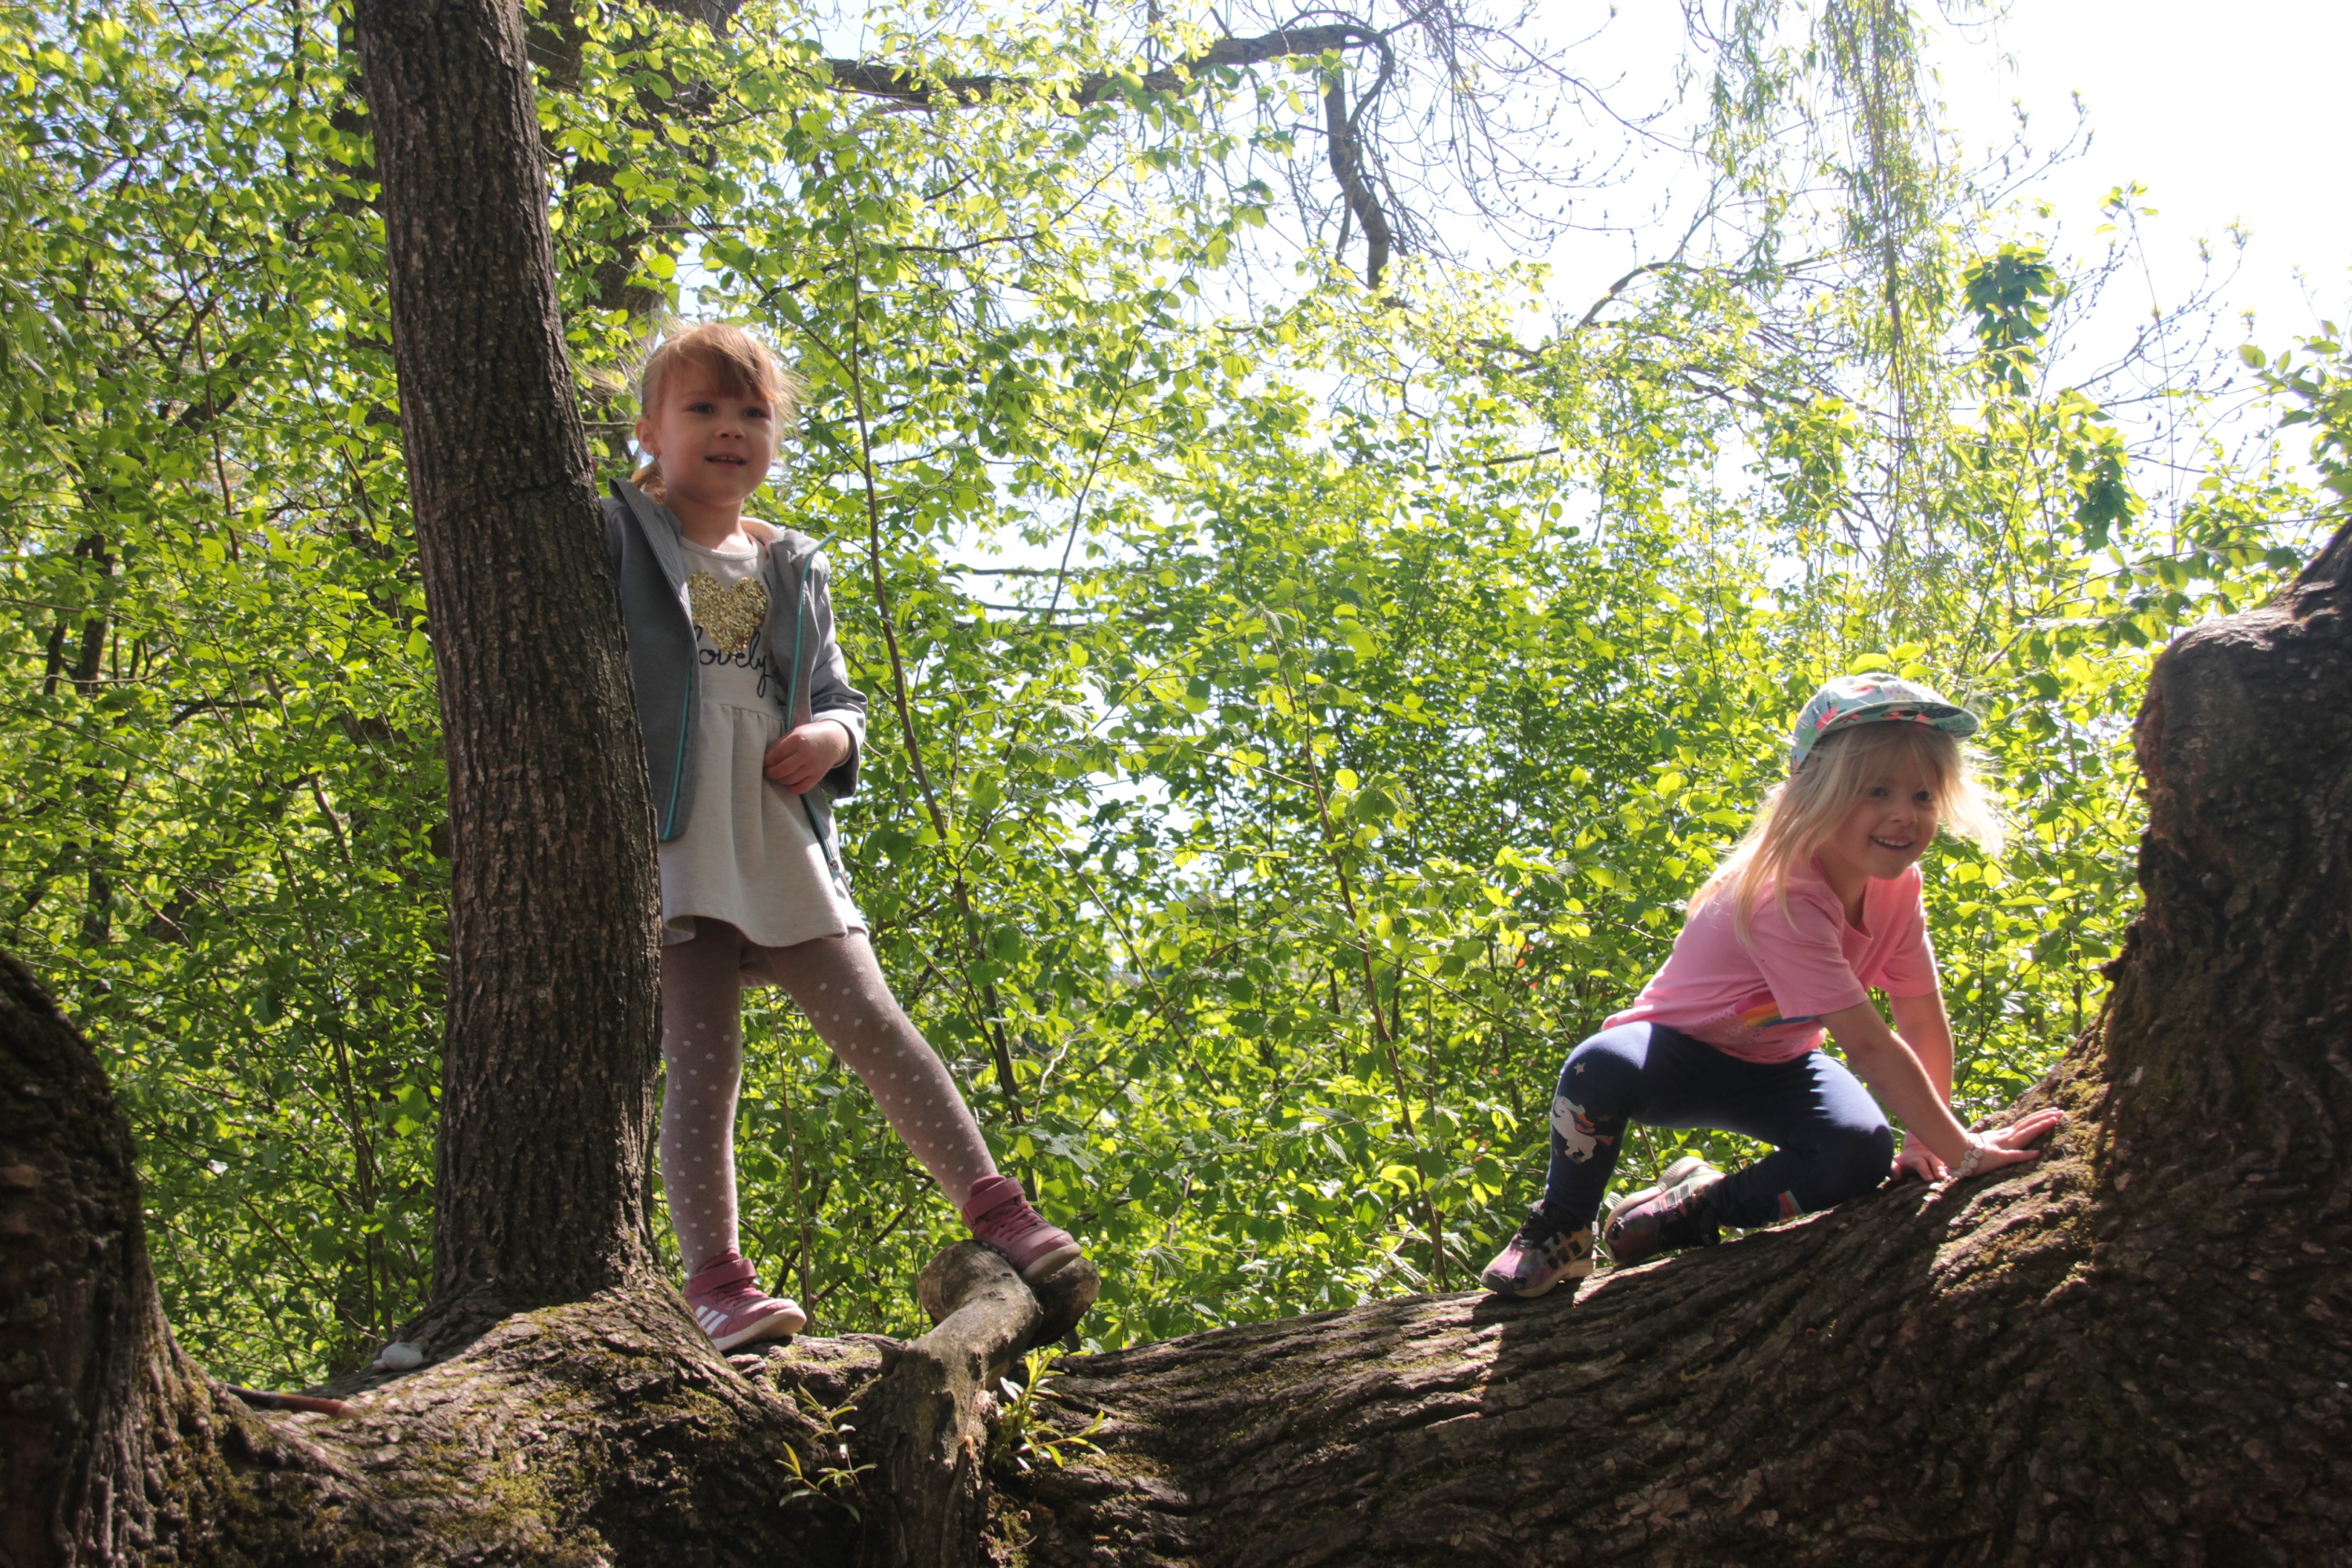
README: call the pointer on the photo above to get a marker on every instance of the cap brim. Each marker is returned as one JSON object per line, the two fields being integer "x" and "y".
{"x": 1942, "y": 716}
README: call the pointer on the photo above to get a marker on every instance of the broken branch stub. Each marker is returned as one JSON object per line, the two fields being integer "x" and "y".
{"x": 924, "y": 1420}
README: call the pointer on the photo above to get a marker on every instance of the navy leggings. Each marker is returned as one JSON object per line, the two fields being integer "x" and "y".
{"x": 1830, "y": 1141}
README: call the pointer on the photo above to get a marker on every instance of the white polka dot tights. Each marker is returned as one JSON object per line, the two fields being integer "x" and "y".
{"x": 837, "y": 982}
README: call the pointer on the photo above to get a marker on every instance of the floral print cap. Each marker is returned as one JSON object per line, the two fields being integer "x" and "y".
{"x": 1873, "y": 699}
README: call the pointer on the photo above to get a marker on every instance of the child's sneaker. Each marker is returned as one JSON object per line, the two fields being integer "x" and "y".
{"x": 1678, "y": 1212}
{"x": 726, "y": 1300}
{"x": 1002, "y": 1221}
{"x": 1539, "y": 1257}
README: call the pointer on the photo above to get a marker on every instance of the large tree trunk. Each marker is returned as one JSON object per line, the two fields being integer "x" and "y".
{"x": 548, "y": 1071}
{"x": 93, "y": 1394}
{"x": 605, "y": 1430}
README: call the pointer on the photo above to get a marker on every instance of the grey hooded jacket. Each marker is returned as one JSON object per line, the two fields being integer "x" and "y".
{"x": 642, "y": 535}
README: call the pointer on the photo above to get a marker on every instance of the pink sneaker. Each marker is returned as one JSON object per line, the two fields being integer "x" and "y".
{"x": 1539, "y": 1257}
{"x": 1002, "y": 1221}
{"x": 1678, "y": 1212}
{"x": 727, "y": 1302}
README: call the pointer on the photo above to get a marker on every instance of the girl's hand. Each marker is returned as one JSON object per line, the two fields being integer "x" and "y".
{"x": 1915, "y": 1159}
{"x": 797, "y": 761}
{"x": 2009, "y": 1145}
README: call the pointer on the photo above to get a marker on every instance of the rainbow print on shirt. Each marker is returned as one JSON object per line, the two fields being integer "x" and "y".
{"x": 1752, "y": 1026}
{"x": 1765, "y": 1014}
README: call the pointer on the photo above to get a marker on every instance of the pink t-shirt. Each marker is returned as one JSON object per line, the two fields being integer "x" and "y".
{"x": 1764, "y": 1001}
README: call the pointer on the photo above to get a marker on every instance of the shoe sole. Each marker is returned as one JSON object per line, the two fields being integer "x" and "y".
{"x": 1052, "y": 1263}
{"x": 1511, "y": 1292}
{"x": 1674, "y": 1173}
{"x": 775, "y": 1326}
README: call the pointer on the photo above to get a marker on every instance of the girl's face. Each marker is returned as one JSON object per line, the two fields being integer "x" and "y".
{"x": 714, "y": 447}
{"x": 1885, "y": 832}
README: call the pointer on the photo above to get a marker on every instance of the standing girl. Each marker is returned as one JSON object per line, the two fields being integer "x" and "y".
{"x": 1818, "y": 907}
{"x": 751, "y": 730}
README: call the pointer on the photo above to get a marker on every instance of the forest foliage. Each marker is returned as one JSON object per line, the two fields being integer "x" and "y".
{"x": 1300, "y": 709}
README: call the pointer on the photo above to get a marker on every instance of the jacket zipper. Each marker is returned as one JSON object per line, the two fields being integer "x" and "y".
{"x": 684, "y": 722}
{"x": 677, "y": 762}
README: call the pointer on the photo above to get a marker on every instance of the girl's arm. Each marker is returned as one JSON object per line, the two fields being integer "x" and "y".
{"x": 1896, "y": 1073}
{"x": 1920, "y": 1023}
{"x": 795, "y": 762}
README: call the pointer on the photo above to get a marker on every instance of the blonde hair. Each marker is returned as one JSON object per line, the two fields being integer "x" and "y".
{"x": 734, "y": 359}
{"x": 1800, "y": 814}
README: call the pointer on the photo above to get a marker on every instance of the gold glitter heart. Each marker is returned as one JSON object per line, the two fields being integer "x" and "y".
{"x": 728, "y": 616}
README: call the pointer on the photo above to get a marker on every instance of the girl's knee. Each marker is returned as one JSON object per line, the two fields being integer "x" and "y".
{"x": 1597, "y": 1086}
{"x": 1856, "y": 1161}
{"x": 1608, "y": 1064}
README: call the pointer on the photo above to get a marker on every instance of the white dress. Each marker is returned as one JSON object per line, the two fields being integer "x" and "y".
{"x": 750, "y": 855}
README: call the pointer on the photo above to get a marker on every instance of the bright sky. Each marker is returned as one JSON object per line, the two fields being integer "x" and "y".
{"x": 2215, "y": 109}
{"x": 2220, "y": 110}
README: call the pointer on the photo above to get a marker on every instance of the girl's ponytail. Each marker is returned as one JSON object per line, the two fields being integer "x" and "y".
{"x": 649, "y": 478}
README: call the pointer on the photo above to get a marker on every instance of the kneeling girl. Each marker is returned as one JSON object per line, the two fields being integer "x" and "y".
{"x": 1818, "y": 905}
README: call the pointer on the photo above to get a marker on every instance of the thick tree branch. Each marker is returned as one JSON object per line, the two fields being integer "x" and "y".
{"x": 925, "y": 1419}
{"x": 1348, "y": 168}
{"x": 874, "y": 80}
